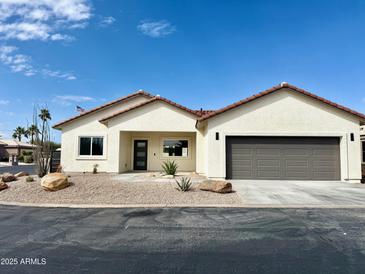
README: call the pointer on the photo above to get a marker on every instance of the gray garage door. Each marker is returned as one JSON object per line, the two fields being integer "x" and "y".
{"x": 283, "y": 158}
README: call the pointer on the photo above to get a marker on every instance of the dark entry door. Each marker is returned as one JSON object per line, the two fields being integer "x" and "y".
{"x": 140, "y": 155}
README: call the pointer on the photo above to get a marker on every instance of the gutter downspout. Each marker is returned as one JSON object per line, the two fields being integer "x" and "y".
{"x": 347, "y": 156}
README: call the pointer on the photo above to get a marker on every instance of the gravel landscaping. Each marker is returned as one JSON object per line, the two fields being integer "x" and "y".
{"x": 132, "y": 188}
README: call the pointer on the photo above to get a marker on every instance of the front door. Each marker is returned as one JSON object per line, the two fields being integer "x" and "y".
{"x": 140, "y": 155}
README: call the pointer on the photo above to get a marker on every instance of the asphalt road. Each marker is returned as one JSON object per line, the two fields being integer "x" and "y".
{"x": 182, "y": 240}
{"x": 15, "y": 169}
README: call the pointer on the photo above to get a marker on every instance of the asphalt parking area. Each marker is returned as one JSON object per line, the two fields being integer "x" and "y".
{"x": 183, "y": 240}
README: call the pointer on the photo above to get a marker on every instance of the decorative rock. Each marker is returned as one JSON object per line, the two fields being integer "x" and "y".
{"x": 21, "y": 174}
{"x": 54, "y": 181}
{"x": 3, "y": 186}
{"x": 168, "y": 176}
{"x": 216, "y": 186}
{"x": 8, "y": 177}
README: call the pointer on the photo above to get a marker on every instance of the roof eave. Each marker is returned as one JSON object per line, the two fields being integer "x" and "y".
{"x": 278, "y": 87}
{"x": 59, "y": 125}
{"x": 155, "y": 99}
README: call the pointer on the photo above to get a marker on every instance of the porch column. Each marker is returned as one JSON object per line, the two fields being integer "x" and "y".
{"x": 113, "y": 151}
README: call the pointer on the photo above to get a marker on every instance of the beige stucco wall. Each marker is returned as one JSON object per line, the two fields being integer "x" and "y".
{"x": 155, "y": 117}
{"x": 285, "y": 113}
{"x": 201, "y": 160}
{"x": 89, "y": 126}
{"x": 155, "y": 157}
{"x": 148, "y": 120}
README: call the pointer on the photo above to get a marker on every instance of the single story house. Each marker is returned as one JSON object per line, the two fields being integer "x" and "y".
{"x": 2, "y": 150}
{"x": 283, "y": 133}
{"x": 13, "y": 147}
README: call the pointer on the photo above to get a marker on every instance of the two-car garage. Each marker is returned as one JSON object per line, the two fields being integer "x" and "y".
{"x": 283, "y": 158}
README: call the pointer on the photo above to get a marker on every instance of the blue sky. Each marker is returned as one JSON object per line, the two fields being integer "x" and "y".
{"x": 198, "y": 53}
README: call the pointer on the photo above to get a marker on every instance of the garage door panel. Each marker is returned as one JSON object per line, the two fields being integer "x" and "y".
{"x": 243, "y": 174}
{"x": 268, "y": 174}
{"x": 267, "y": 152}
{"x": 295, "y": 152}
{"x": 268, "y": 163}
{"x": 286, "y": 158}
{"x": 325, "y": 176}
{"x": 292, "y": 164}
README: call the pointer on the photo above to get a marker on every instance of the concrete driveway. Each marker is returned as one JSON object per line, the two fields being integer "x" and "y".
{"x": 299, "y": 193}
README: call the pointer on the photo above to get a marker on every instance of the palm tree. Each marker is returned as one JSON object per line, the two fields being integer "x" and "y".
{"x": 19, "y": 132}
{"x": 44, "y": 115}
{"x": 32, "y": 130}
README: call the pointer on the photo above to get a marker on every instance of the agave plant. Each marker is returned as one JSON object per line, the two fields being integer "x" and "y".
{"x": 169, "y": 167}
{"x": 184, "y": 184}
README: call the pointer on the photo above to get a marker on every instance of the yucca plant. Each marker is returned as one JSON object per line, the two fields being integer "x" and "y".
{"x": 184, "y": 184}
{"x": 170, "y": 167}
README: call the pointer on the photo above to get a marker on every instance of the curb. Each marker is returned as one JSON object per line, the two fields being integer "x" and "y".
{"x": 258, "y": 206}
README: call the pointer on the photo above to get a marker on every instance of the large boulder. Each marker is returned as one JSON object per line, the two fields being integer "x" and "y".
{"x": 54, "y": 181}
{"x": 216, "y": 186}
{"x": 3, "y": 186}
{"x": 8, "y": 177}
{"x": 21, "y": 174}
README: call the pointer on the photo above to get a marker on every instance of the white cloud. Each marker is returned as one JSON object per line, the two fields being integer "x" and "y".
{"x": 156, "y": 29}
{"x": 107, "y": 21}
{"x": 58, "y": 37}
{"x": 40, "y": 19}
{"x": 20, "y": 63}
{"x": 4, "y": 102}
{"x": 58, "y": 74}
{"x": 17, "y": 62}
{"x": 78, "y": 25}
{"x": 71, "y": 99}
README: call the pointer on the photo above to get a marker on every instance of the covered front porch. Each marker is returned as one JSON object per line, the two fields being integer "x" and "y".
{"x": 147, "y": 150}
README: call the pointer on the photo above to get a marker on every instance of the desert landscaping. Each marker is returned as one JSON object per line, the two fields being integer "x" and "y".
{"x": 151, "y": 188}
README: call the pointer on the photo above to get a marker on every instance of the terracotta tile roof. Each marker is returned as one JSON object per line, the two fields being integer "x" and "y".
{"x": 276, "y": 88}
{"x": 135, "y": 94}
{"x": 154, "y": 99}
{"x": 15, "y": 143}
{"x": 202, "y": 112}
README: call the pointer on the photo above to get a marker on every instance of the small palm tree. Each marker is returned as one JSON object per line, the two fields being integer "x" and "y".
{"x": 32, "y": 131}
{"x": 44, "y": 115}
{"x": 19, "y": 132}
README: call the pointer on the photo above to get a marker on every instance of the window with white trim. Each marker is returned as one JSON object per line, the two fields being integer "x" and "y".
{"x": 91, "y": 146}
{"x": 363, "y": 151}
{"x": 175, "y": 148}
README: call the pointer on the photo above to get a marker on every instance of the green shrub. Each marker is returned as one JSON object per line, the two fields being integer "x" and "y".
{"x": 21, "y": 158}
{"x": 29, "y": 179}
{"x": 27, "y": 153}
{"x": 169, "y": 167}
{"x": 95, "y": 169}
{"x": 28, "y": 159}
{"x": 184, "y": 184}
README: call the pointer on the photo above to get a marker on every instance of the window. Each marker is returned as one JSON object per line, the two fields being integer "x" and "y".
{"x": 175, "y": 148}
{"x": 363, "y": 151}
{"x": 91, "y": 146}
